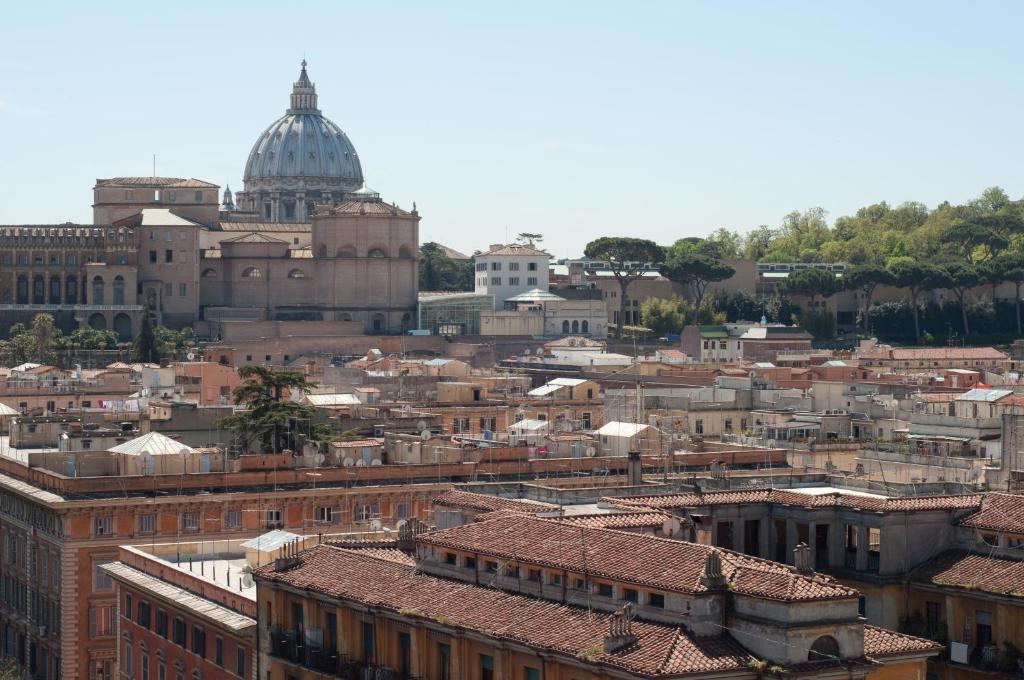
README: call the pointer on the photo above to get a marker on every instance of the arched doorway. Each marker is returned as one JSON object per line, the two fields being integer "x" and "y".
{"x": 123, "y": 327}
{"x": 98, "y": 321}
{"x": 565, "y": 327}
{"x": 825, "y": 648}
{"x": 575, "y": 327}
{"x": 584, "y": 326}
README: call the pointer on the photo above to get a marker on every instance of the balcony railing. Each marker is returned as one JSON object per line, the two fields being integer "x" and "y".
{"x": 289, "y": 646}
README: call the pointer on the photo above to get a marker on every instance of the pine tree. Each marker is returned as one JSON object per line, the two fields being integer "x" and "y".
{"x": 144, "y": 348}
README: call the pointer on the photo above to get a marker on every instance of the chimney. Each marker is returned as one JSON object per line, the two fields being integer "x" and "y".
{"x": 620, "y": 630}
{"x": 802, "y": 559}
{"x": 635, "y": 469}
{"x": 712, "y": 577}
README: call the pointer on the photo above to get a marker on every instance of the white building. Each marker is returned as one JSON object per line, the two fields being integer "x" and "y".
{"x": 507, "y": 270}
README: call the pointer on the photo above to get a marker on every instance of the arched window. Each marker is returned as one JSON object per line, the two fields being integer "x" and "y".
{"x": 321, "y": 251}
{"x": 404, "y": 252}
{"x": 22, "y": 290}
{"x": 209, "y": 273}
{"x": 55, "y": 290}
{"x": 252, "y": 273}
{"x": 346, "y": 251}
{"x": 345, "y": 317}
{"x": 296, "y": 274}
{"x": 119, "y": 290}
{"x": 584, "y": 326}
{"x": 565, "y": 327}
{"x": 378, "y": 323}
{"x": 97, "y": 294}
{"x": 38, "y": 290}
{"x": 71, "y": 290}
{"x": 575, "y": 326}
{"x": 98, "y": 321}
{"x": 376, "y": 252}
{"x": 824, "y": 648}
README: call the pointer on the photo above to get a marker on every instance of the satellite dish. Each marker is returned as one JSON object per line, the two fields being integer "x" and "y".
{"x": 421, "y": 425}
{"x": 320, "y": 458}
{"x": 360, "y": 463}
{"x": 376, "y": 525}
{"x": 247, "y": 581}
{"x": 375, "y": 461}
{"x": 591, "y": 452}
{"x": 425, "y": 434}
{"x": 348, "y": 462}
{"x": 191, "y": 356}
{"x": 400, "y": 523}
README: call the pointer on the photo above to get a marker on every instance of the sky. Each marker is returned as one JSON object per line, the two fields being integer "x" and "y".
{"x": 572, "y": 119}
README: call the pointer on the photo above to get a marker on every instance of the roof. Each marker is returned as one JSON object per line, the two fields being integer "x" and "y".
{"x": 362, "y": 207}
{"x": 162, "y": 217}
{"x": 998, "y": 512}
{"x": 626, "y": 520}
{"x": 713, "y": 332}
{"x": 931, "y": 353}
{"x": 453, "y": 254}
{"x": 660, "y": 563}
{"x": 196, "y": 604}
{"x": 270, "y": 541}
{"x": 252, "y": 237}
{"x": 776, "y": 333}
{"x": 880, "y": 643}
{"x": 528, "y": 424}
{"x": 153, "y": 443}
{"x": 962, "y": 569}
{"x": 322, "y": 400}
{"x": 535, "y": 295}
{"x": 456, "y": 498}
{"x": 169, "y": 182}
{"x": 6, "y": 410}
{"x": 514, "y": 249}
{"x": 266, "y": 226}
{"x": 620, "y": 429}
{"x": 979, "y": 394}
{"x": 660, "y": 649}
{"x": 796, "y": 498}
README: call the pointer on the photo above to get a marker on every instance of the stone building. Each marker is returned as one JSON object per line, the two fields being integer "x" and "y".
{"x": 305, "y": 241}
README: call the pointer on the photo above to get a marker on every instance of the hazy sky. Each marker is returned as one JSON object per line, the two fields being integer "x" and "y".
{"x": 576, "y": 120}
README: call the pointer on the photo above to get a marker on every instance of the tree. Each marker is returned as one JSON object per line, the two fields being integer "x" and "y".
{"x": 664, "y": 316}
{"x": 529, "y": 237}
{"x": 959, "y": 277}
{"x": 268, "y": 417}
{"x": 438, "y": 272}
{"x": 43, "y": 332}
{"x": 627, "y": 258}
{"x": 864, "y": 278}
{"x": 811, "y": 283}
{"x": 144, "y": 348}
{"x": 974, "y": 241}
{"x": 729, "y": 243}
{"x": 916, "y": 278}
{"x": 696, "y": 270}
{"x": 1011, "y": 267}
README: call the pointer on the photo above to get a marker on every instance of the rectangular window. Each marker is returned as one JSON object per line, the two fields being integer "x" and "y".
{"x": 656, "y": 600}
{"x": 491, "y": 567}
{"x": 450, "y": 558}
{"x": 128, "y": 665}
{"x": 444, "y": 661}
{"x": 495, "y": 280}
{"x": 147, "y": 524}
{"x": 179, "y": 631}
{"x": 168, "y": 235}
{"x": 161, "y": 623}
{"x": 103, "y": 526}
{"x": 325, "y": 515}
{"x": 532, "y": 266}
{"x": 531, "y": 280}
{"x": 585, "y": 416}
{"x": 199, "y": 642}
{"x": 495, "y": 266}
{"x": 401, "y": 511}
{"x": 486, "y": 667}
{"x": 533, "y": 575}
{"x": 168, "y": 290}
{"x": 182, "y": 289}
{"x": 128, "y": 608}
{"x": 143, "y": 615}
{"x": 152, "y": 256}
{"x": 513, "y": 280}
{"x": 168, "y": 255}
{"x": 531, "y": 673}
{"x": 604, "y": 589}
{"x": 101, "y": 580}
{"x": 218, "y": 651}
{"x": 579, "y": 584}
{"x": 234, "y": 519}
{"x": 513, "y": 266}
{"x": 144, "y": 665}
{"x": 101, "y": 621}
{"x": 240, "y": 662}
{"x": 630, "y": 595}
{"x": 190, "y": 521}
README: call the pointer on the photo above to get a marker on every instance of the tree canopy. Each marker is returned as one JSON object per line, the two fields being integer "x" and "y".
{"x": 696, "y": 263}
{"x": 438, "y": 272}
{"x": 627, "y": 258}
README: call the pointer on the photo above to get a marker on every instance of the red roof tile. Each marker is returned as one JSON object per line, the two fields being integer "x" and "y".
{"x": 659, "y": 650}
{"x": 999, "y": 512}
{"x": 791, "y": 497}
{"x": 961, "y": 569}
{"x": 881, "y": 642}
{"x": 621, "y": 520}
{"x": 630, "y": 557}
{"x": 480, "y": 502}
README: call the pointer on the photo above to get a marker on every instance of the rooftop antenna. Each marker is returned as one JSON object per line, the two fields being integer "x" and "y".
{"x": 154, "y": 166}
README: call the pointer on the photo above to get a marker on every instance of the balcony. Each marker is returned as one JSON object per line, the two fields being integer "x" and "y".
{"x": 289, "y": 646}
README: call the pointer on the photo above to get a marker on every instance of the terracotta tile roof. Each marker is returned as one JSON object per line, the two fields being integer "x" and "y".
{"x": 176, "y": 182}
{"x": 630, "y": 557}
{"x": 514, "y": 249}
{"x": 358, "y": 207}
{"x": 931, "y": 353}
{"x": 880, "y": 643}
{"x": 454, "y": 498}
{"x": 791, "y": 497}
{"x": 387, "y": 554}
{"x": 999, "y": 512}
{"x": 627, "y": 520}
{"x": 660, "y": 649}
{"x": 252, "y": 237}
{"x": 962, "y": 569}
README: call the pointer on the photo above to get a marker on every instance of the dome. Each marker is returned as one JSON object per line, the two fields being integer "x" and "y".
{"x": 303, "y": 149}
